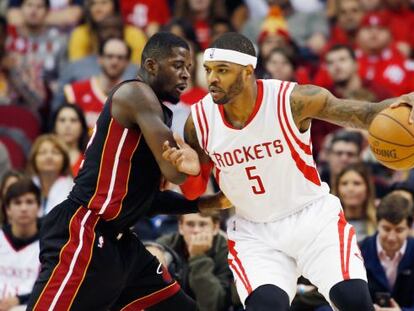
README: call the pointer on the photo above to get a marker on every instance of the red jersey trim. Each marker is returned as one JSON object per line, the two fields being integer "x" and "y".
{"x": 306, "y": 148}
{"x": 153, "y": 298}
{"x": 345, "y": 252}
{"x": 309, "y": 172}
{"x": 74, "y": 259}
{"x": 239, "y": 269}
{"x": 200, "y": 126}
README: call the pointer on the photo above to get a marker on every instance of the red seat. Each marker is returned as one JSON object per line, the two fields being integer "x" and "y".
{"x": 18, "y": 117}
{"x": 16, "y": 153}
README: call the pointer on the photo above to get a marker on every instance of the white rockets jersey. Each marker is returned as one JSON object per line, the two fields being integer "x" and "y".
{"x": 265, "y": 169}
{"x": 18, "y": 269}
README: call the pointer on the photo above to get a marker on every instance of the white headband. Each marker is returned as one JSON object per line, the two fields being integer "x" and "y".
{"x": 214, "y": 54}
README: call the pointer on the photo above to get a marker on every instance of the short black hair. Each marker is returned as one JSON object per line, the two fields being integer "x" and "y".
{"x": 347, "y": 136}
{"x": 19, "y": 188}
{"x": 235, "y": 42}
{"x": 395, "y": 208}
{"x": 160, "y": 46}
{"x": 338, "y": 47}
{"x": 46, "y": 2}
{"x": 101, "y": 47}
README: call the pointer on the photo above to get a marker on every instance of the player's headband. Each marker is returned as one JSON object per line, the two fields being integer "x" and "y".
{"x": 214, "y": 54}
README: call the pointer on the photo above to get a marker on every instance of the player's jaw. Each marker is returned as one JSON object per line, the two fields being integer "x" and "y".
{"x": 221, "y": 96}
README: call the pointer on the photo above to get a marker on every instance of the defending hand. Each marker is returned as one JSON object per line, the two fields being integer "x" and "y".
{"x": 184, "y": 158}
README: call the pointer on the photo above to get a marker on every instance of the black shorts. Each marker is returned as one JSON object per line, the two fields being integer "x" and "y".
{"x": 87, "y": 267}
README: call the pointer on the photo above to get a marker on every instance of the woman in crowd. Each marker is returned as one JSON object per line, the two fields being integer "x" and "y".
{"x": 354, "y": 187}
{"x": 83, "y": 40}
{"x": 49, "y": 167}
{"x": 69, "y": 125}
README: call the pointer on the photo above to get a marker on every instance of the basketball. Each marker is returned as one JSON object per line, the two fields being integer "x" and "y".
{"x": 391, "y": 138}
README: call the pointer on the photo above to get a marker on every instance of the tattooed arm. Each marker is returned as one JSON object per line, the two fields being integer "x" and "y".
{"x": 313, "y": 102}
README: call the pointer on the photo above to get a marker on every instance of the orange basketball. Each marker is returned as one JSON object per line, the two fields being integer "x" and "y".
{"x": 391, "y": 138}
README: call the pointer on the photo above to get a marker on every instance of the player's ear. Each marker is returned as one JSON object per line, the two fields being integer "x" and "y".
{"x": 151, "y": 66}
{"x": 249, "y": 71}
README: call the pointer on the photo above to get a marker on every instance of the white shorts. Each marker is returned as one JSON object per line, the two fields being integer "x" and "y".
{"x": 316, "y": 242}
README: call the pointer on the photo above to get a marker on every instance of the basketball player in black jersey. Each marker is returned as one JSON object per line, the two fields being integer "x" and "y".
{"x": 89, "y": 259}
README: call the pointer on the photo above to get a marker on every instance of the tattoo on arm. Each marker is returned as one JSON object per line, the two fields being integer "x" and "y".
{"x": 309, "y": 101}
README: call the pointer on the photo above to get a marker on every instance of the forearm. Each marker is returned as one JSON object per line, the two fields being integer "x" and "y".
{"x": 172, "y": 203}
{"x": 352, "y": 113}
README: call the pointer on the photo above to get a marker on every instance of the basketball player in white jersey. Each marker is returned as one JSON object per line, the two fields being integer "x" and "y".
{"x": 255, "y": 134}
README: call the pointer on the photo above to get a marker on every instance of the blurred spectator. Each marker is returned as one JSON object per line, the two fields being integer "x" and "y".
{"x": 84, "y": 41}
{"x": 237, "y": 12}
{"x": 36, "y": 54}
{"x": 148, "y": 15}
{"x": 379, "y": 60}
{"x": 4, "y": 79}
{"x": 220, "y": 26}
{"x": 349, "y": 17}
{"x": 203, "y": 251}
{"x": 342, "y": 68}
{"x": 85, "y": 68}
{"x": 8, "y": 179}
{"x": 401, "y": 21}
{"x": 200, "y": 13}
{"x": 49, "y": 166}
{"x": 281, "y": 64}
{"x": 90, "y": 95}
{"x": 70, "y": 127}
{"x": 354, "y": 187}
{"x": 345, "y": 148}
{"x": 389, "y": 255}
{"x": 63, "y": 13}
{"x": 309, "y": 30}
{"x": 19, "y": 242}
{"x": 274, "y": 34}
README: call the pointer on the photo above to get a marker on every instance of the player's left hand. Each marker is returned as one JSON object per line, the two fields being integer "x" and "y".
{"x": 394, "y": 307}
{"x": 184, "y": 158}
{"x": 407, "y": 100}
{"x": 214, "y": 202}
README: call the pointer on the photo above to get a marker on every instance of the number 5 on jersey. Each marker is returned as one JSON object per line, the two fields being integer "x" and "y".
{"x": 258, "y": 188}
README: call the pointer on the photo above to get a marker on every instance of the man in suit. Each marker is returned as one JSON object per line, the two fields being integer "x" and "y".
{"x": 389, "y": 256}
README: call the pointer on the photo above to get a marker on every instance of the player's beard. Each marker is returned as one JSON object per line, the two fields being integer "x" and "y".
{"x": 235, "y": 89}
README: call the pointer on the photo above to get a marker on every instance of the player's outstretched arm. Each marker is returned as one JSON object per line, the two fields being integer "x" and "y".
{"x": 184, "y": 157}
{"x": 135, "y": 105}
{"x": 313, "y": 102}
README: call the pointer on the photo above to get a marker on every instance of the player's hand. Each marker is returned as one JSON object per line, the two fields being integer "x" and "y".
{"x": 200, "y": 243}
{"x": 8, "y": 302}
{"x": 394, "y": 307}
{"x": 407, "y": 100}
{"x": 184, "y": 158}
{"x": 217, "y": 201}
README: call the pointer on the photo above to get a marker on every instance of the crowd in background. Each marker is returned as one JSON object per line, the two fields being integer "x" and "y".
{"x": 59, "y": 59}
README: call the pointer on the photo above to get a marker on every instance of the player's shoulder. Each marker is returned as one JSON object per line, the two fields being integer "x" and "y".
{"x": 136, "y": 93}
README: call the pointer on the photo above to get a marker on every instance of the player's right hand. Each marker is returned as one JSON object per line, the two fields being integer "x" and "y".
{"x": 184, "y": 158}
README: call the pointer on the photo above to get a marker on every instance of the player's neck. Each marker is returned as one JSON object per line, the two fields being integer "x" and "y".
{"x": 239, "y": 110}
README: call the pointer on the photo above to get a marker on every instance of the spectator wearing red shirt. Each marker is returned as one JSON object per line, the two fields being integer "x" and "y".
{"x": 148, "y": 15}
{"x": 350, "y": 14}
{"x": 91, "y": 94}
{"x": 379, "y": 60}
